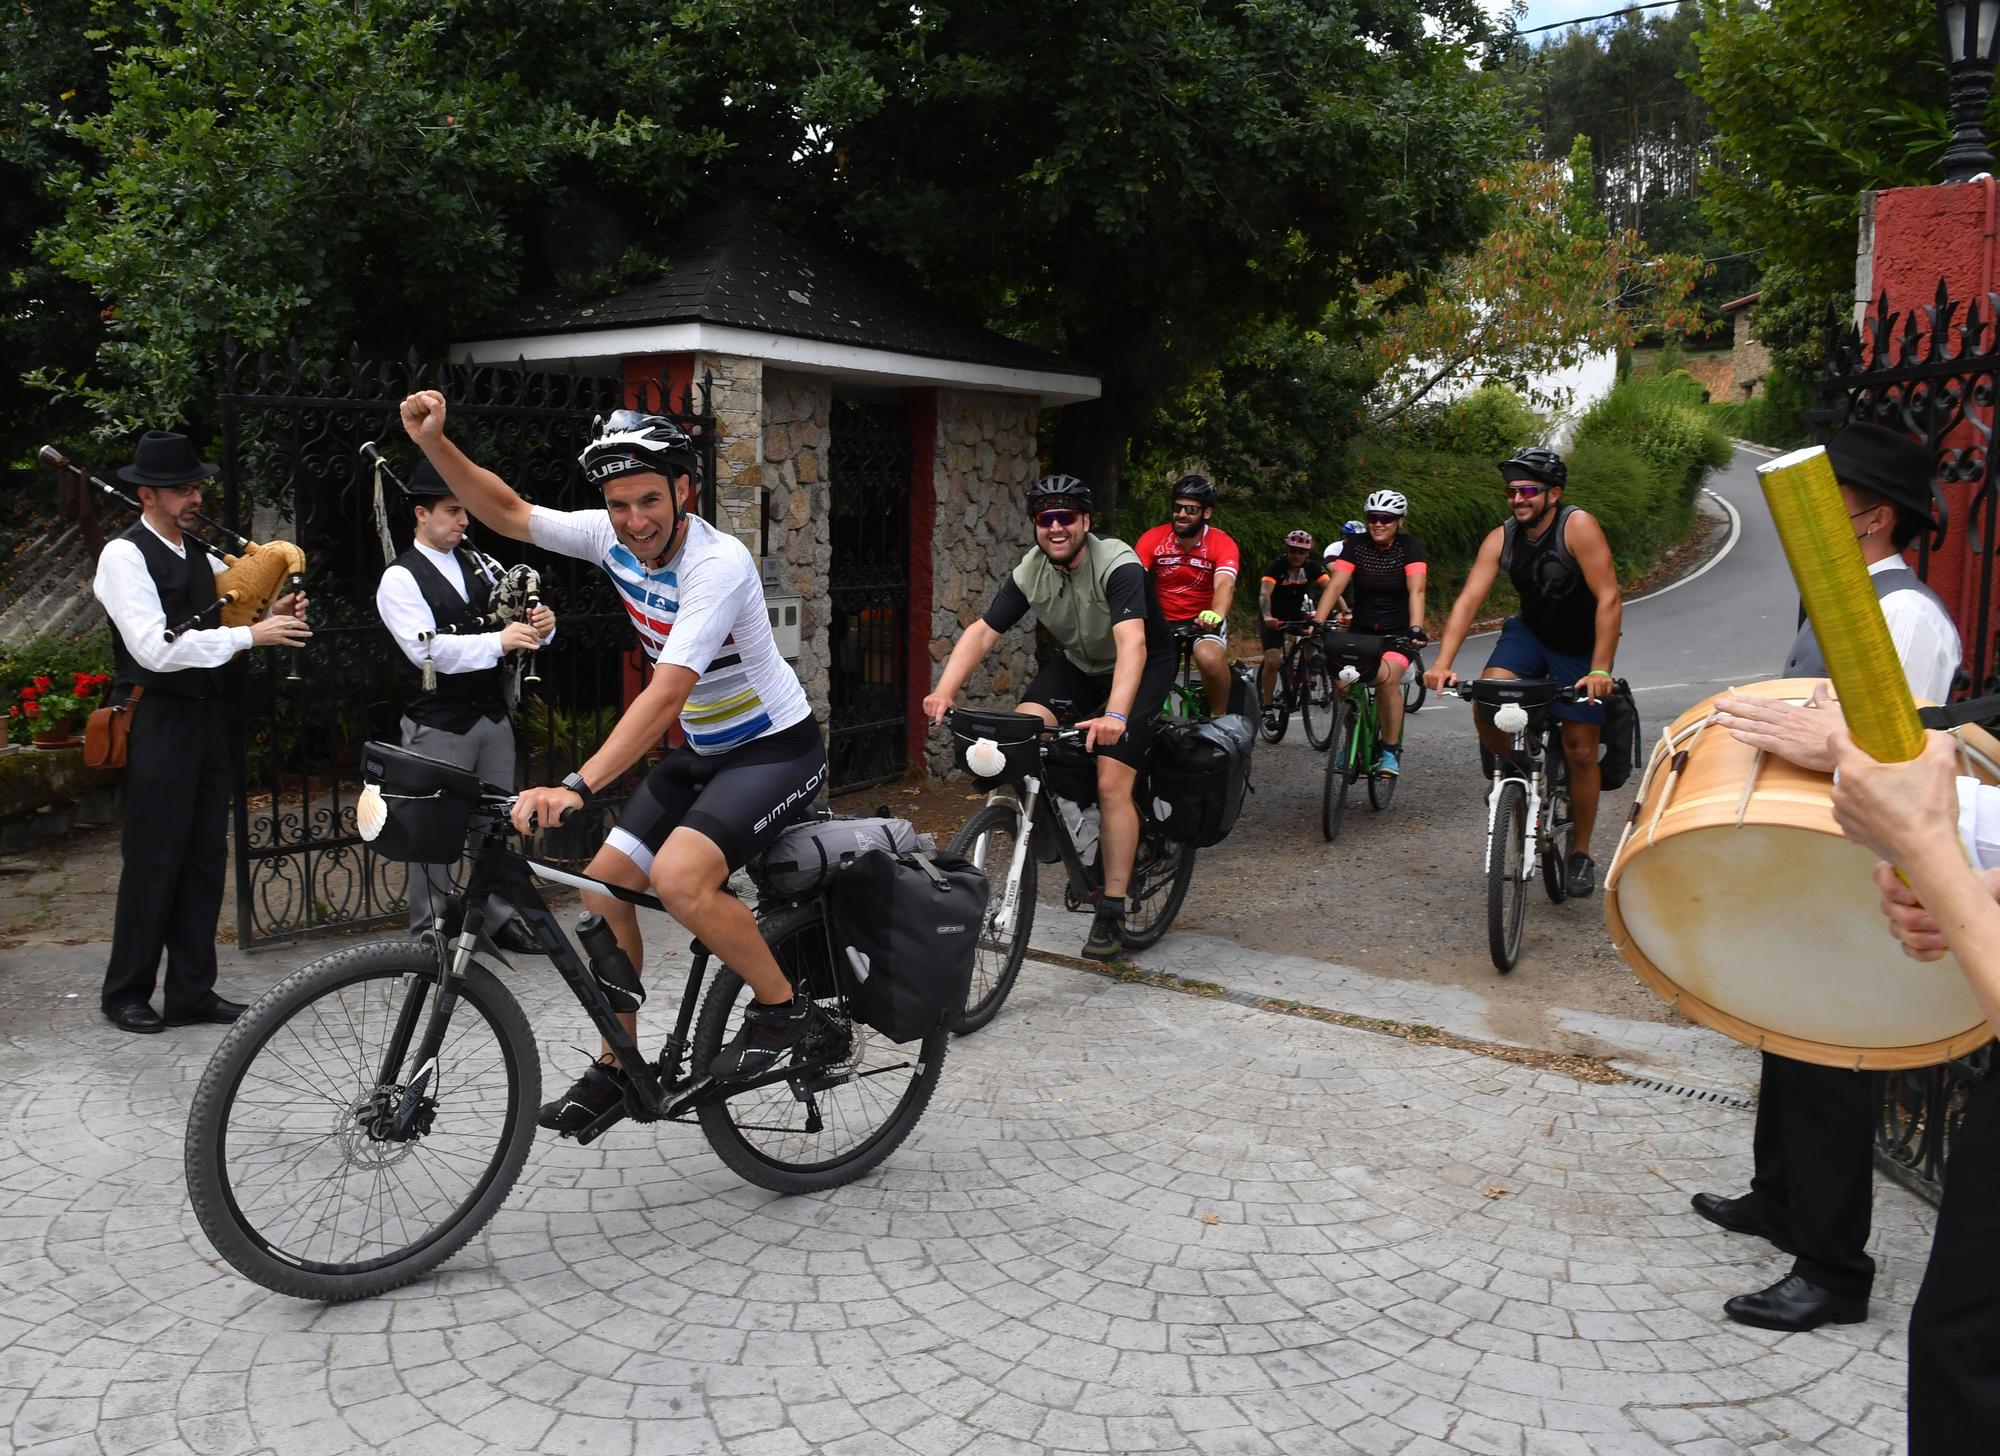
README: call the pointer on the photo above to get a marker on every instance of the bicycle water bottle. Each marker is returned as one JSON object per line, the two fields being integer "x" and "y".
{"x": 1082, "y": 825}
{"x": 609, "y": 964}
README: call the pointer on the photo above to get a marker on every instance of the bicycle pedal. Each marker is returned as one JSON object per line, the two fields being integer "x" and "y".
{"x": 591, "y": 1131}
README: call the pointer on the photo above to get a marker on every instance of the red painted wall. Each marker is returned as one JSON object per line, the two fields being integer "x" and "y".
{"x": 922, "y": 406}
{"x": 1922, "y": 235}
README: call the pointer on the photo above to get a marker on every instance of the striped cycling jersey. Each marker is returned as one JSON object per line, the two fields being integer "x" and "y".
{"x": 702, "y": 609}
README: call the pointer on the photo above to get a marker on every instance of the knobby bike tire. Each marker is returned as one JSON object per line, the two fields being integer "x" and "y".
{"x": 1560, "y": 837}
{"x": 870, "y": 1091}
{"x": 1316, "y": 700}
{"x": 1162, "y": 870}
{"x": 264, "y": 1160}
{"x": 988, "y": 839}
{"x": 1413, "y": 687}
{"x": 1506, "y": 888}
{"x": 1339, "y": 772}
{"x": 1381, "y": 787}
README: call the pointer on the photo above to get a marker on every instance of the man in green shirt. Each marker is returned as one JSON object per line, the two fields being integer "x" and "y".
{"x": 1117, "y": 656}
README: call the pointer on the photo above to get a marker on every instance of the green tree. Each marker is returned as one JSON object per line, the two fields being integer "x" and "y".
{"x": 1815, "y": 102}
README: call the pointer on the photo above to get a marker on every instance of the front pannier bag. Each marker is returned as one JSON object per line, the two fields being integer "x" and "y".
{"x": 412, "y": 808}
{"x": 1199, "y": 773}
{"x": 905, "y": 927}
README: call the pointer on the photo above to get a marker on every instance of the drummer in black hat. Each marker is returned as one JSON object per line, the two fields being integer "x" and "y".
{"x": 1812, "y": 1192}
{"x": 179, "y": 762}
{"x": 455, "y": 706}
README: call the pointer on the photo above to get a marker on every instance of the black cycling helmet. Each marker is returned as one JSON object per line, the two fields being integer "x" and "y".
{"x": 1197, "y": 488}
{"x": 1536, "y": 462}
{"x": 1066, "y": 488}
{"x": 627, "y": 442}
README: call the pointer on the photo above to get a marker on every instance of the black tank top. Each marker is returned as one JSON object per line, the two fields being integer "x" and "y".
{"x": 1556, "y": 602}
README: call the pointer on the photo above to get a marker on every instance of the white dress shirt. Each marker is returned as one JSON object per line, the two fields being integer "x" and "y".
{"x": 1926, "y": 641}
{"x": 401, "y": 605}
{"x": 125, "y": 587}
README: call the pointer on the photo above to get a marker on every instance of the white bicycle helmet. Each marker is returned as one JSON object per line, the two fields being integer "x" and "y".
{"x": 628, "y": 442}
{"x": 1386, "y": 503}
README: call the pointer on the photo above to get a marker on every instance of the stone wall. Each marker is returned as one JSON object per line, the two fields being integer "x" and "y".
{"x": 797, "y": 412}
{"x": 1752, "y": 359}
{"x": 1715, "y": 370}
{"x": 737, "y": 399}
{"x": 985, "y": 457}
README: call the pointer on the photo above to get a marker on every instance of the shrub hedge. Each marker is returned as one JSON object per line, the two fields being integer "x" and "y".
{"x": 1638, "y": 459}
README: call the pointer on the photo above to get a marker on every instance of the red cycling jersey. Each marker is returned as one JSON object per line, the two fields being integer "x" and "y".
{"x": 1184, "y": 576}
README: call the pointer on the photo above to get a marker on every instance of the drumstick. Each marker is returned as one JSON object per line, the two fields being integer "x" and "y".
{"x": 1847, "y": 619}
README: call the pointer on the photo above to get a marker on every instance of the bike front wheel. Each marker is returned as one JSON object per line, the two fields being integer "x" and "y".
{"x": 857, "y": 1095}
{"x": 987, "y": 839}
{"x": 1559, "y": 836}
{"x": 1506, "y": 877}
{"x": 1277, "y": 714}
{"x": 1162, "y": 870}
{"x": 1316, "y": 700}
{"x": 1339, "y": 772}
{"x": 291, "y": 1167}
{"x": 1413, "y": 686}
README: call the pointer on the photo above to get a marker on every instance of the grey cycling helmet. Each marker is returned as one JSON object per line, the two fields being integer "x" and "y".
{"x": 1536, "y": 462}
{"x": 1059, "y": 488}
{"x": 630, "y": 443}
{"x": 1197, "y": 488}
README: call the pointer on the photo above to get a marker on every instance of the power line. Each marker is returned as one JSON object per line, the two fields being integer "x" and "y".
{"x": 1607, "y": 15}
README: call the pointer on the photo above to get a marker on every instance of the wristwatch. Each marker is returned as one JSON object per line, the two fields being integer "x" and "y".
{"x": 575, "y": 784}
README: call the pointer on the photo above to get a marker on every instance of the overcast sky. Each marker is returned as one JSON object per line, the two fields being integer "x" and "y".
{"x": 1544, "y": 12}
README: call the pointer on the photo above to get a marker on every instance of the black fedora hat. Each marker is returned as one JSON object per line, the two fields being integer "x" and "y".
{"x": 163, "y": 458}
{"x": 424, "y": 483}
{"x": 1886, "y": 462}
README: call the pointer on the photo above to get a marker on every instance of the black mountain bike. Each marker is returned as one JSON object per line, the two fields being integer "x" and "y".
{"x": 1022, "y": 824}
{"x": 371, "y": 1112}
{"x": 1529, "y": 820}
{"x": 1305, "y": 685}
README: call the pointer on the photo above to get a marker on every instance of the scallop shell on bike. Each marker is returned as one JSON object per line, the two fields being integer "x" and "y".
{"x": 413, "y": 808}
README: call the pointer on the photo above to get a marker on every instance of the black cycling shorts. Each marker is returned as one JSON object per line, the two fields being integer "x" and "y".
{"x": 739, "y": 799}
{"x": 1062, "y": 681}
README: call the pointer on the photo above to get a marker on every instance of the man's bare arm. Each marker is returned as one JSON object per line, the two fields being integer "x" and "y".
{"x": 491, "y": 500}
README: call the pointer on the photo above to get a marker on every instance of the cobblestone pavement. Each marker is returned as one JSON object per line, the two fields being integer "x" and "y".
{"x": 1132, "y": 1220}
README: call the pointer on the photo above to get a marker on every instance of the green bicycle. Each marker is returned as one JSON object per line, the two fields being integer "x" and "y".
{"x": 1353, "y": 658}
{"x": 1187, "y": 697}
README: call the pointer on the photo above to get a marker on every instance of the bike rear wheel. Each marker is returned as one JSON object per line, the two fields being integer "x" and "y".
{"x": 1277, "y": 714}
{"x": 287, "y": 1169}
{"x": 857, "y": 1097}
{"x": 1506, "y": 877}
{"x": 1339, "y": 771}
{"x": 988, "y": 839}
{"x": 1316, "y": 698}
{"x": 1162, "y": 870}
{"x": 1558, "y": 829}
{"x": 1381, "y": 788}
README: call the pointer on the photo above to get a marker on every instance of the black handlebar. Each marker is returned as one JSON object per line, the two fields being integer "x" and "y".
{"x": 1529, "y": 692}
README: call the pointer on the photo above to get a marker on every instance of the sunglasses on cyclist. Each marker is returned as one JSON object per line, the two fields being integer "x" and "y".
{"x": 1188, "y": 508}
{"x": 1377, "y": 518}
{"x": 1525, "y": 492}
{"x": 1051, "y": 520}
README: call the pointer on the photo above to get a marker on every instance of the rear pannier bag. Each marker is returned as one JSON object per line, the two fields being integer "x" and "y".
{"x": 1621, "y": 737}
{"x": 411, "y": 808}
{"x": 904, "y": 928}
{"x": 805, "y": 856}
{"x": 1198, "y": 774}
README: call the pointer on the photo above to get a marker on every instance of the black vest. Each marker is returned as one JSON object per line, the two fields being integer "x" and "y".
{"x": 1806, "y": 659}
{"x": 186, "y": 585}
{"x": 1556, "y": 602}
{"x": 461, "y": 699}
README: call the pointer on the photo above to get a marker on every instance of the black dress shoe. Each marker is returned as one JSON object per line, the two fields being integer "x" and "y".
{"x": 134, "y": 1016}
{"x": 1739, "y": 1216}
{"x": 1796, "y": 1304}
{"x": 517, "y": 937}
{"x": 219, "y": 1010}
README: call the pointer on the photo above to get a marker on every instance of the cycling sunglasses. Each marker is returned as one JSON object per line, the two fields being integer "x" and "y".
{"x": 1051, "y": 520}
{"x": 1188, "y": 508}
{"x": 1525, "y": 492}
{"x": 1379, "y": 518}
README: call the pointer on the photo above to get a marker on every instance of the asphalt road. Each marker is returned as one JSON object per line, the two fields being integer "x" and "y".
{"x": 1401, "y": 893}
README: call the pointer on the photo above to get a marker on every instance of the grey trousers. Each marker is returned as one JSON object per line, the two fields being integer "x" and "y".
{"x": 487, "y": 748}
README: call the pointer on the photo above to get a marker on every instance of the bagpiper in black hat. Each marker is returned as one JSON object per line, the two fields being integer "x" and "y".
{"x": 165, "y": 459}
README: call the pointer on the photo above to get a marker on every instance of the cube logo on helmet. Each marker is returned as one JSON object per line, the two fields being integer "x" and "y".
{"x": 629, "y": 443}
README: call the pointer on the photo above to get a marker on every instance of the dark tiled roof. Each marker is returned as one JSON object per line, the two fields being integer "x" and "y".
{"x": 733, "y": 265}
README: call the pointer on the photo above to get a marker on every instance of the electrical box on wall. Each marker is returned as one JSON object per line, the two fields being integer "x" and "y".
{"x": 785, "y": 623}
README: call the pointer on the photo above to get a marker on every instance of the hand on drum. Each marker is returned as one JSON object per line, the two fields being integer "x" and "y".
{"x": 1902, "y": 811}
{"x": 1795, "y": 732}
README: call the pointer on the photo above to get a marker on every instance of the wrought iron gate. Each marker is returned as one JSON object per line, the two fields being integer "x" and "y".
{"x": 1929, "y": 373}
{"x": 868, "y": 589}
{"x": 290, "y": 434}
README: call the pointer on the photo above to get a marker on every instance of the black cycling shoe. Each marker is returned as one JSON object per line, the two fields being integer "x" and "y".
{"x": 767, "y": 1034}
{"x": 1582, "y": 875}
{"x": 1107, "y": 935}
{"x": 592, "y": 1095}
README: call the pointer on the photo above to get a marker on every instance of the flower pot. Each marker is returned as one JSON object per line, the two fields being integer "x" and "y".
{"x": 58, "y": 734}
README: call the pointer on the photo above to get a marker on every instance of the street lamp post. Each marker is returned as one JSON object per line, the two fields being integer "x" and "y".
{"x": 1971, "y": 30}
